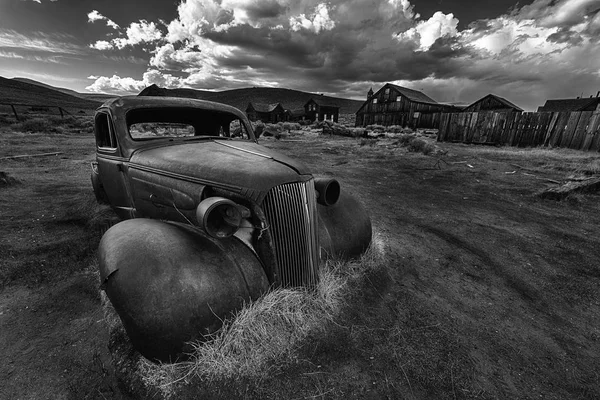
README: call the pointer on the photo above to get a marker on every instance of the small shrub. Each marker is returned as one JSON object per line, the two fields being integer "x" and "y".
{"x": 272, "y": 129}
{"x": 305, "y": 122}
{"x": 395, "y": 129}
{"x": 420, "y": 146}
{"x": 405, "y": 139}
{"x": 375, "y": 128}
{"x": 368, "y": 142}
{"x": 291, "y": 126}
{"x": 358, "y": 132}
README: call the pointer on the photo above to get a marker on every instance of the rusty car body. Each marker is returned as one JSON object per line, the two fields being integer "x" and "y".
{"x": 211, "y": 219}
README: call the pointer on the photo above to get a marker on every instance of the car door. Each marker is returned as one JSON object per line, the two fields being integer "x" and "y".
{"x": 112, "y": 167}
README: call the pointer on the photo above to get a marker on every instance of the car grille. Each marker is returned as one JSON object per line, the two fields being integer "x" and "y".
{"x": 291, "y": 212}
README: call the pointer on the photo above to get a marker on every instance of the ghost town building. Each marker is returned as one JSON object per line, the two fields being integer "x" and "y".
{"x": 577, "y": 104}
{"x": 320, "y": 109}
{"x": 270, "y": 113}
{"x": 491, "y": 102}
{"x": 397, "y": 105}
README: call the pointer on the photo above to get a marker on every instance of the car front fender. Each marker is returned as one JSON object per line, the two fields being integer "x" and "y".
{"x": 170, "y": 283}
{"x": 344, "y": 228}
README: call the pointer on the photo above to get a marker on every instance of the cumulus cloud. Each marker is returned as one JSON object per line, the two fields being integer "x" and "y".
{"x": 425, "y": 33}
{"x": 136, "y": 33}
{"x": 94, "y": 16}
{"x": 547, "y": 48}
{"x": 320, "y": 20}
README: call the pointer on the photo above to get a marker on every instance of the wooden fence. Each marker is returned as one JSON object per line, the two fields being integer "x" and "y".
{"x": 32, "y": 109}
{"x": 576, "y": 130}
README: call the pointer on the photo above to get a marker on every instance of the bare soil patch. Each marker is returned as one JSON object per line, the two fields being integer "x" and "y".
{"x": 487, "y": 292}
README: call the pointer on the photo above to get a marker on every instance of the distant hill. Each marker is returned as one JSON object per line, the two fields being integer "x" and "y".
{"x": 19, "y": 92}
{"x": 100, "y": 97}
{"x": 289, "y": 99}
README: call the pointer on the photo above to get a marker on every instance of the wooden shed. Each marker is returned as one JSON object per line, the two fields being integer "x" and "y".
{"x": 396, "y": 105}
{"x": 271, "y": 113}
{"x": 321, "y": 109}
{"x": 491, "y": 102}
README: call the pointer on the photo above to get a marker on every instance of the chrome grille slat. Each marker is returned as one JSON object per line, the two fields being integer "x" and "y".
{"x": 291, "y": 212}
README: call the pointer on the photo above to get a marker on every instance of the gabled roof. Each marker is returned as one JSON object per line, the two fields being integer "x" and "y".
{"x": 296, "y": 111}
{"x": 569, "y": 104}
{"x": 260, "y": 107}
{"x": 323, "y": 101}
{"x": 502, "y": 100}
{"x": 412, "y": 95}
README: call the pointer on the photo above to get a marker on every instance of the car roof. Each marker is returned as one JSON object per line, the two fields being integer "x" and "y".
{"x": 122, "y": 105}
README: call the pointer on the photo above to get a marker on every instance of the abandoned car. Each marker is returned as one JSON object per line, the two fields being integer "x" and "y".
{"x": 211, "y": 219}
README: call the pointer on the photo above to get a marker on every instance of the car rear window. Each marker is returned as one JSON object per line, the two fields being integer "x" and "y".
{"x": 175, "y": 122}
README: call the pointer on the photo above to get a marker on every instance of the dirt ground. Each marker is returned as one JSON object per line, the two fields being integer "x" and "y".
{"x": 488, "y": 291}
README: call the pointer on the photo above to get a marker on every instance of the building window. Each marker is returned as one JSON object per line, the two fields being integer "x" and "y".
{"x": 375, "y": 100}
{"x": 386, "y": 94}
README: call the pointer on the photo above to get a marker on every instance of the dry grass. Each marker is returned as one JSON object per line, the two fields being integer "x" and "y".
{"x": 264, "y": 336}
{"x": 574, "y": 162}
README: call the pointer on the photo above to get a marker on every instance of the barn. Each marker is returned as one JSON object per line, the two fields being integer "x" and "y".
{"x": 271, "y": 113}
{"x": 491, "y": 102}
{"x": 321, "y": 109}
{"x": 396, "y": 105}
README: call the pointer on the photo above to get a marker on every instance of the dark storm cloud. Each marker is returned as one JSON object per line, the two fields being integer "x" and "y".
{"x": 265, "y": 9}
{"x": 565, "y": 36}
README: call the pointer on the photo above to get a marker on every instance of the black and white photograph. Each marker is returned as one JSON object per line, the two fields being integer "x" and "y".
{"x": 304, "y": 200}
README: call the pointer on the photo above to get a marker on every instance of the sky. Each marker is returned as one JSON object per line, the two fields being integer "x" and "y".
{"x": 454, "y": 51}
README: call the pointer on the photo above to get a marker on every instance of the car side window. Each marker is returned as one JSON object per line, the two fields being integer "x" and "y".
{"x": 238, "y": 130}
{"x": 105, "y": 136}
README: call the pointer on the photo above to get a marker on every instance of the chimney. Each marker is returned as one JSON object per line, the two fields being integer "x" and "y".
{"x": 598, "y": 94}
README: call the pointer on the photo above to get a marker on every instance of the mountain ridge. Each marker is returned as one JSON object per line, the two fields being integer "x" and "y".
{"x": 289, "y": 98}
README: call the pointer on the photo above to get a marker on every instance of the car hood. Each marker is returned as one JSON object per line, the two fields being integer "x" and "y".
{"x": 234, "y": 165}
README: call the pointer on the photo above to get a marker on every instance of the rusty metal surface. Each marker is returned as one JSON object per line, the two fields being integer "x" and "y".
{"x": 170, "y": 281}
{"x": 171, "y": 284}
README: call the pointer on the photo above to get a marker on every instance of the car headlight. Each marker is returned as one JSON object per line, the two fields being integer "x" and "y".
{"x": 328, "y": 191}
{"x": 219, "y": 217}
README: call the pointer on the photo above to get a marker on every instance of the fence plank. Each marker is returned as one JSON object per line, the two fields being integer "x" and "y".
{"x": 579, "y": 134}
{"x": 442, "y": 129}
{"x": 549, "y": 129}
{"x": 595, "y": 129}
{"x": 570, "y": 129}
{"x": 559, "y": 129}
{"x": 589, "y": 132}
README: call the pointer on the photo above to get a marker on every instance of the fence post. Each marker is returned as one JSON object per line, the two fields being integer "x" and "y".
{"x": 61, "y": 112}
{"x": 15, "y": 112}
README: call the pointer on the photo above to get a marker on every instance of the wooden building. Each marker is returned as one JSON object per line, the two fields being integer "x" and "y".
{"x": 491, "y": 102}
{"x": 578, "y": 104}
{"x": 396, "y": 105}
{"x": 270, "y": 113}
{"x": 321, "y": 109}
{"x": 296, "y": 114}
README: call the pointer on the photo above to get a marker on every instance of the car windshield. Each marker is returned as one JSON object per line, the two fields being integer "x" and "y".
{"x": 191, "y": 123}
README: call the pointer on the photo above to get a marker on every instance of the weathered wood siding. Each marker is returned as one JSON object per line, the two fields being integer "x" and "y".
{"x": 394, "y": 109}
{"x": 488, "y": 104}
{"x": 575, "y": 130}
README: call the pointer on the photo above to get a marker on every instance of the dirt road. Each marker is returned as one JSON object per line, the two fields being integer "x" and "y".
{"x": 488, "y": 292}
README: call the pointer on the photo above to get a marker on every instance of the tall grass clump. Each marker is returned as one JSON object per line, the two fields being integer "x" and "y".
{"x": 32, "y": 125}
{"x": 264, "y": 336}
